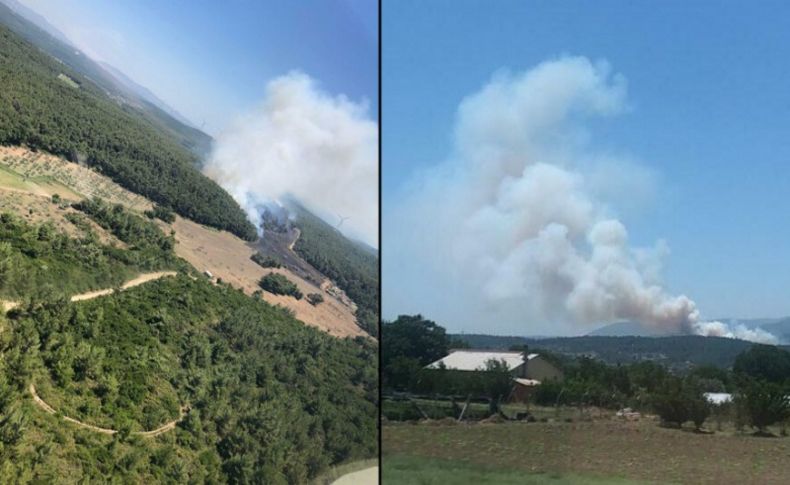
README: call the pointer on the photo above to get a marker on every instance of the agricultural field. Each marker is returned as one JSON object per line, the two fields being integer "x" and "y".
{"x": 603, "y": 450}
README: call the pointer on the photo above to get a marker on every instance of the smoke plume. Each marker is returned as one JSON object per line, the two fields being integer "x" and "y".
{"x": 720, "y": 329}
{"x": 516, "y": 228}
{"x": 302, "y": 142}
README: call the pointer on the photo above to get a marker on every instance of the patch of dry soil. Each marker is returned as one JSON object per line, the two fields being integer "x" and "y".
{"x": 227, "y": 257}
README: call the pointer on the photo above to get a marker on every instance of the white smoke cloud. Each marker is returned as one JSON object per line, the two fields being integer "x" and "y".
{"x": 720, "y": 329}
{"x": 323, "y": 150}
{"x": 513, "y": 230}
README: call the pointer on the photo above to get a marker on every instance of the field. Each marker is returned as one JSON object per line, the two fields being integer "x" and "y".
{"x": 410, "y": 470}
{"x": 579, "y": 452}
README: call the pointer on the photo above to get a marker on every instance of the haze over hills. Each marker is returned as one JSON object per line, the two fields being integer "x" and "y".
{"x": 778, "y": 327}
{"x": 36, "y": 30}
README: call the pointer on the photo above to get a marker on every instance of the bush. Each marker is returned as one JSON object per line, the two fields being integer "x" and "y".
{"x": 315, "y": 298}
{"x": 162, "y": 213}
{"x": 265, "y": 261}
{"x": 763, "y": 404}
{"x": 280, "y": 285}
{"x": 671, "y": 403}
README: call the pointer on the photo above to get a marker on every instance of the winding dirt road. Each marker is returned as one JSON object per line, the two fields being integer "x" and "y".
{"x": 146, "y": 434}
{"x": 143, "y": 278}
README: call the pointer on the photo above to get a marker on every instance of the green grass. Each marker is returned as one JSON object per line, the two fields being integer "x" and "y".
{"x": 411, "y": 470}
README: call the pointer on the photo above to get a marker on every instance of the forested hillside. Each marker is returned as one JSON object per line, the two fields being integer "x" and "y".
{"x": 47, "y": 106}
{"x": 266, "y": 398}
{"x": 351, "y": 266}
{"x": 270, "y": 400}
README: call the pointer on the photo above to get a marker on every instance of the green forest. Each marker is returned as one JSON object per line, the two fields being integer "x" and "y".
{"x": 352, "y": 267}
{"x": 266, "y": 398}
{"x": 83, "y": 124}
{"x": 270, "y": 399}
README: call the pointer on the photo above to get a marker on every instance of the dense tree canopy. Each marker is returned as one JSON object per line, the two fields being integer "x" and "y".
{"x": 83, "y": 124}
{"x": 764, "y": 362}
{"x": 271, "y": 400}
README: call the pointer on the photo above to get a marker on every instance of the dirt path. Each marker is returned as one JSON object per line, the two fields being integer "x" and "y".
{"x": 298, "y": 233}
{"x": 143, "y": 278}
{"x": 146, "y": 434}
{"x": 368, "y": 476}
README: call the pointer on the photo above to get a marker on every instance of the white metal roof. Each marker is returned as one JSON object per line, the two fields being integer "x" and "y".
{"x": 718, "y": 397}
{"x": 527, "y": 382}
{"x": 476, "y": 359}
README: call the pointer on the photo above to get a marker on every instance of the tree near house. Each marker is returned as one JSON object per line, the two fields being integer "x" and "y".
{"x": 412, "y": 342}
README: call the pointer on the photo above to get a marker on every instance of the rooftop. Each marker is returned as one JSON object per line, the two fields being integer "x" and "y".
{"x": 469, "y": 359}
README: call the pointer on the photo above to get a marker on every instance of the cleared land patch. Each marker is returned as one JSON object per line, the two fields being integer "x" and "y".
{"x": 227, "y": 257}
{"x": 47, "y": 174}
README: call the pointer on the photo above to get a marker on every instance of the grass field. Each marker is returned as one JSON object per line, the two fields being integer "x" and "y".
{"x": 579, "y": 452}
{"x": 411, "y": 470}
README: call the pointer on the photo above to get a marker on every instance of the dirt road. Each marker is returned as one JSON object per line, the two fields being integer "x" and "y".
{"x": 146, "y": 434}
{"x": 143, "y": 278}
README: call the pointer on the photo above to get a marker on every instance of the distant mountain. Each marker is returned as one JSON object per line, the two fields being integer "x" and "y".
{"x": 623, "y": 329}
{"x": 779, "y": 327}
{"x": 114, "y": 83}
{"x": 677, "y": 352}
{"x": 144, "y": 93}
{"x": 636, "y": 329}
{"x": 37, "y": 19}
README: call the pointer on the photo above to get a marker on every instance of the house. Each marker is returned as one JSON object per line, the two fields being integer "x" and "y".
{"x": 527, "y": 370}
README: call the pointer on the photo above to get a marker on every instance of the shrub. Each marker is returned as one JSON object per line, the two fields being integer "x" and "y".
{"x": 280, "y": 285}
{"x": 315, "y": 298}
{"x": 671, "y": 403}
{"x": 763, "y": 404}
{"x": 162, "y": 213}
{"x": 265, "y": 261}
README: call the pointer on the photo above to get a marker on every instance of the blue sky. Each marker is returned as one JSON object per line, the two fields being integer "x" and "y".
{"x": 710, "y": 111}
{"x": 211, "y": 60}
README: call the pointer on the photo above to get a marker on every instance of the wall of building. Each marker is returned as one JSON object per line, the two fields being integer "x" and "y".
{"x": 540, "y": 369}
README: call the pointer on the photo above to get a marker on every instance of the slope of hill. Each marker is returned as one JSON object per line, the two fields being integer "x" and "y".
{"x": 42, "y": 111}
{"x": 115, "y": 84}
{"x": 352, "y": 267}
{"x": 28, "y": 181}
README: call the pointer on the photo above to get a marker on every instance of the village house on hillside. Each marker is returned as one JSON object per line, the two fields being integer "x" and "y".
{"x": 527, "y": 370}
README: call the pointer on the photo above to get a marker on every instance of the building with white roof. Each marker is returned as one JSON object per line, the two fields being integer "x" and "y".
{"x": 531, "y": 367}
